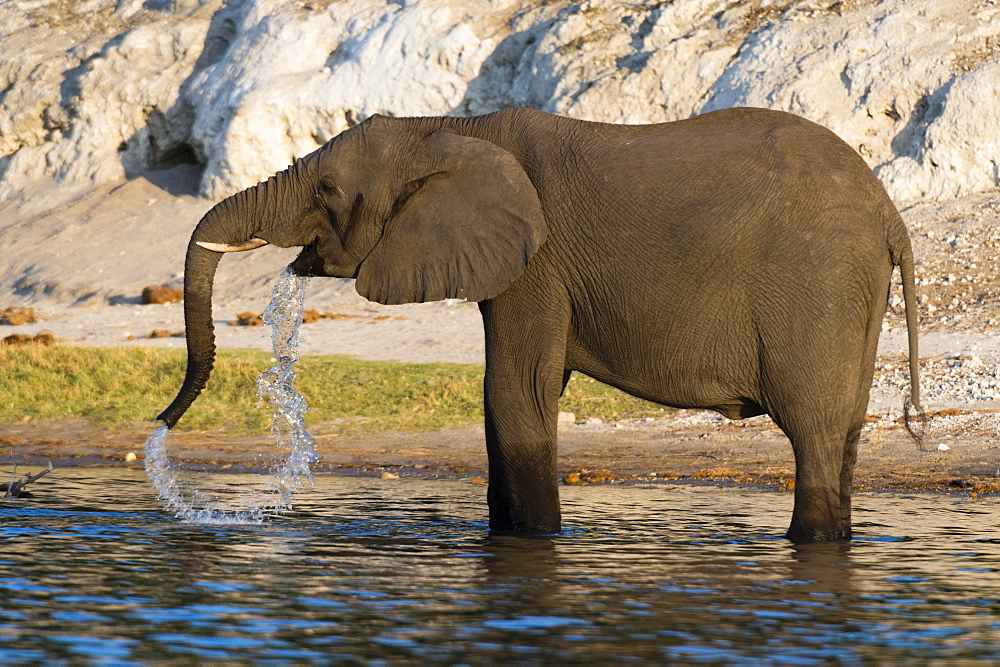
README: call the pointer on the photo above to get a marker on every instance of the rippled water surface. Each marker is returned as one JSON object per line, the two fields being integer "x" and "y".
{"x": 93, "y": 567}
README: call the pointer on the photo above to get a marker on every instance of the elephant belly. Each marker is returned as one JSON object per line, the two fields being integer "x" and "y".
{"x": 675, "y": 377}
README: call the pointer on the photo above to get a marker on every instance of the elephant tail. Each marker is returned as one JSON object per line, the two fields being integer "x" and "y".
{"x": 901, "y": 253}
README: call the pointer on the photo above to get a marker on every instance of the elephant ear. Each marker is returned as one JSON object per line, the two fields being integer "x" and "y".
{"x": 466, "y": 230}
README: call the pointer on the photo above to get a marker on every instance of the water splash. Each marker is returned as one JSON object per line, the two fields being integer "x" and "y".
{"x": 251, "y": 498}
{"x": 189, "y": 502}
{"x": 274, "y": 385}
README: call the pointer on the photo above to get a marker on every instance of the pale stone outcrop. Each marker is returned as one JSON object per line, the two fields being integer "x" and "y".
{"x": 97, "y": 90}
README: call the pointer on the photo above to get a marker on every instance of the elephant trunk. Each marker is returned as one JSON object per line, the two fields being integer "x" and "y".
{"x": 199, "y": 275}
{"x": 227, "y": 222}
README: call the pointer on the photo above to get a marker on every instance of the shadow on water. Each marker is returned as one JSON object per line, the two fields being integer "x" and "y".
{"x": 92, "y": 568}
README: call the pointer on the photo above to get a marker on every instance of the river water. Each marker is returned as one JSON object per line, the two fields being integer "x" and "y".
{"x": 94, "y": 568}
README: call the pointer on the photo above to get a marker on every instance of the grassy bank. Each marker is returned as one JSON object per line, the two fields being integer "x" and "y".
{"x": 125, "y": 384}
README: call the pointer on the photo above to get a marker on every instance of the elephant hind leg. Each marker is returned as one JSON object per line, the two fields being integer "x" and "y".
{"x": 825, "y": 455}
{"x": 822, "y": 415}
{"x": 818, "y": 395}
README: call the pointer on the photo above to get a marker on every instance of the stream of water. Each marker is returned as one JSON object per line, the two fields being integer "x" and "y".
{"x": 94, "y": 568}
{"x": 254, "y": 497}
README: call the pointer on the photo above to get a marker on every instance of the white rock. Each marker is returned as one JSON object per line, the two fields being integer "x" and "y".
{"x": 100, "y": 90}
{"x": 957, "y": 144}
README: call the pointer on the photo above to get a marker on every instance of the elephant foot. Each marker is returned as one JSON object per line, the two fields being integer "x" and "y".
{"x": 521, "y": 532}
{"x": 524, "y": 513}
{"x": 803, "y": 535}
{"x": 525, "y": 527}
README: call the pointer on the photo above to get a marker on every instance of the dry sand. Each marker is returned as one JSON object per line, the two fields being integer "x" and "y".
{"x": 81, "y": 261}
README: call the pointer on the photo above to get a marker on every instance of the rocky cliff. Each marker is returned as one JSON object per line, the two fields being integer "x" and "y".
{"x": 97, "y": 91}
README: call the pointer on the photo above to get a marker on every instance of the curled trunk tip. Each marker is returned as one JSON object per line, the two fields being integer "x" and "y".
{"x": 199, "y": 276}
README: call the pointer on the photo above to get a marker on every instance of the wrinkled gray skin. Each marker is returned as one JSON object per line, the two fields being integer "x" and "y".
{"x": 738, "y": 261}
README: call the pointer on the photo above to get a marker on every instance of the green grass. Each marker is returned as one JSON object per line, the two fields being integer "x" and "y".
{"x": 128, "y": 384}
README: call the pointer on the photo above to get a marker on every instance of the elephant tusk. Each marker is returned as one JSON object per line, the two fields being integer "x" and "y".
{"x": 252, "y": 244}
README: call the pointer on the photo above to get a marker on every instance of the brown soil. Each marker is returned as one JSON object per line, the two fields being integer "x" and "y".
{"x": 688, "y": 446}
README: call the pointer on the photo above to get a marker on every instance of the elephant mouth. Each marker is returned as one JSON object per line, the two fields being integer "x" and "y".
{"x": 310, "y": 263}
{"x": 313, "y": 262}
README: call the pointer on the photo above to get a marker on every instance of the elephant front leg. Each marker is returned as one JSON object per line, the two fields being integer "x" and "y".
{"x": 521, "y": 415}
{"x": 523, "y": 493}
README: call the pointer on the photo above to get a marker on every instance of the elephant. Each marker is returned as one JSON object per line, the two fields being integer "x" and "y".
{"x": 738, "y": 261}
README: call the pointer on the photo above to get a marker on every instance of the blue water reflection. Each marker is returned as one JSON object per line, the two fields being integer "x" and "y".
{"x": 94, "y": 569}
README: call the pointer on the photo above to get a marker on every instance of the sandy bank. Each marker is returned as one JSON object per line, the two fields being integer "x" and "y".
{"x": 962, "y": 454}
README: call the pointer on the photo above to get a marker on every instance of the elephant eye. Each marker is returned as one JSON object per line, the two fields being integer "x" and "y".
{"x": 327, "y": 188}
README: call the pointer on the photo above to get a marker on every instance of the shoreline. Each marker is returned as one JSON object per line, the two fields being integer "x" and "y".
{"x": 684, "y": 447}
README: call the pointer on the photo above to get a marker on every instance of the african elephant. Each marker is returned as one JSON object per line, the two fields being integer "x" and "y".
{"x": 738, "y": 261}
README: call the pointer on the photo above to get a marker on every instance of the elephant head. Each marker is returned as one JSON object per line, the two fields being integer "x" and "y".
{"x": 413, "y": 209}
